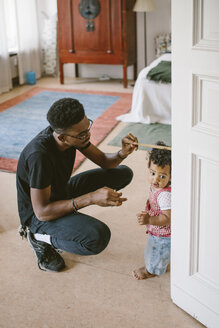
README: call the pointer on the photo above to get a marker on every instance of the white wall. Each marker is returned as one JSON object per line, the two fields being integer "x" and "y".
{"x": 158, "y": 21}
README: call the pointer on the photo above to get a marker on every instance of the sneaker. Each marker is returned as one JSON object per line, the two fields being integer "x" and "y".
{"x": 22, "y": 230}
{"x": 47, "y": 257}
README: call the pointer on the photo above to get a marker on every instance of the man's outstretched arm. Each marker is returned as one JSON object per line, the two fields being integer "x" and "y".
{"x": 45, "y": 210}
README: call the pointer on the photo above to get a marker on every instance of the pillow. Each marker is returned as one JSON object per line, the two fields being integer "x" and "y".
{"x": 162, "y": 44}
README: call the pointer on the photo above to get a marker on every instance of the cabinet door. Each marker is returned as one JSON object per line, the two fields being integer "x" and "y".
{"x": 65, "y": 41}
{"x": 99, "y": 40}
{"x": 74, "y": 38}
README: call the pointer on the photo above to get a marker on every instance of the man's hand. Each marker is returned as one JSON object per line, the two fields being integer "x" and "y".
{"x": 107, "y": 197}
{"x": 129, "y": 144}
{"x": 143, "y": 218}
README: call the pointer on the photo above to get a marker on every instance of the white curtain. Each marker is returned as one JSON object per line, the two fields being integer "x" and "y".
{"x": 5, "y": 72}
{"x": 28, "y": 38}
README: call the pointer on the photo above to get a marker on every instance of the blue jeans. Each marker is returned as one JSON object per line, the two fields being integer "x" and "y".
{"x": 80, "y": 233}
{"x": 157, "y": 254}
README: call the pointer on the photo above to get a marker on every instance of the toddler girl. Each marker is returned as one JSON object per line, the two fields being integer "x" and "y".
{"x": 157, "y": 215}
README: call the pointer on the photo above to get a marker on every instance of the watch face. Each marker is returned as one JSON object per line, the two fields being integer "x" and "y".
{"x": 89, "y": 9}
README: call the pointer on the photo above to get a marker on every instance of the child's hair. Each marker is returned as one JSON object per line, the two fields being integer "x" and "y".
{"x": 160, "y": 157}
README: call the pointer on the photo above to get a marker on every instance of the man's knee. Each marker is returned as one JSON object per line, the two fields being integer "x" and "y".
{"x": 128, "y": 173}
{"x": 99, "y": 239}
{"x": 125, "y": 175}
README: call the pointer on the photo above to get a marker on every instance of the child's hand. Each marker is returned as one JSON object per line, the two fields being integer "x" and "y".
{"x": 143, "y": 218}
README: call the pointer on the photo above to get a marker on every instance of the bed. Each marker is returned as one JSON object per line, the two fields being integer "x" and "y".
{"x": 151, "y": 101}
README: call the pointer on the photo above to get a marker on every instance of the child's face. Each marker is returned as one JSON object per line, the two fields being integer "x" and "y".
{"x": 159, "y": 177}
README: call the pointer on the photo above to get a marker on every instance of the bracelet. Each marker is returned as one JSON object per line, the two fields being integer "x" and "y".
{"x": 75, "y": 210}
{"x": 120, "y": 156}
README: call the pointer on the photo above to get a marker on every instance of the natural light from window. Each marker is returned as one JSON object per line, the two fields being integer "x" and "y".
{"x": 11, "y": 25}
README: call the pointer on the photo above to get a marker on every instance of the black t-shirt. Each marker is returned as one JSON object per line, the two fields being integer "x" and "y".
{"x": 40, "y": 165}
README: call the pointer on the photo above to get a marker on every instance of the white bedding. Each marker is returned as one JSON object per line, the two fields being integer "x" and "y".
{"x": 151, "y": 101}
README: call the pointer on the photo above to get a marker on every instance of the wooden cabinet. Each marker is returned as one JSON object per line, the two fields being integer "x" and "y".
{"x": 109, "y": 38}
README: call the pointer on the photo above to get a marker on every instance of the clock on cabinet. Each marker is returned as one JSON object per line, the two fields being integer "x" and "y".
{"x": 97, "y": 32}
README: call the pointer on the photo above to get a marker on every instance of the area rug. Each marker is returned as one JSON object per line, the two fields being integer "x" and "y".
{"x": 22, "y": 117}
{"x": 146, "y": 133}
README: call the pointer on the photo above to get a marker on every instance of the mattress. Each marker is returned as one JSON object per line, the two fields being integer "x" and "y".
{"x": 151, "y": 101}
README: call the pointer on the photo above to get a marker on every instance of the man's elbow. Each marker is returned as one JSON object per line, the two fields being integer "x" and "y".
{"x": 41, "y": 215}
{"x": 42, "y": 218}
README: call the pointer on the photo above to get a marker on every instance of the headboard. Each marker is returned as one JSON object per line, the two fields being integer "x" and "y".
{"x": 162, "y": 44}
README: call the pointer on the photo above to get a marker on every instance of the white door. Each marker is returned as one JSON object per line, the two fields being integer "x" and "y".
{"x": 195, "y": 140}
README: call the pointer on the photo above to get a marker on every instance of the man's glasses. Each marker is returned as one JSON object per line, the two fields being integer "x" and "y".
{"x": 84, "y": 134}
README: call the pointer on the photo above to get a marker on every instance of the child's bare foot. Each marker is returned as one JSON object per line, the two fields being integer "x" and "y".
{"x": 142, "y": 273}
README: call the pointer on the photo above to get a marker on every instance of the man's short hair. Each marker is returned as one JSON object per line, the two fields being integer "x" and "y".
{"x": 64, "y": 113}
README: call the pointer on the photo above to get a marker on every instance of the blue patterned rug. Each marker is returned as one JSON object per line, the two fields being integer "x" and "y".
{"x": 22, "y": 117}
{"x": 20, "y": 123}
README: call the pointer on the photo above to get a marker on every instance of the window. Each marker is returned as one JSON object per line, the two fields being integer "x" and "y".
{"x": 11, "y": 25}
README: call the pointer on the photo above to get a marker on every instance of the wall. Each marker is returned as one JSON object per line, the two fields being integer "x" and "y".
{"x": 158, "y": 21}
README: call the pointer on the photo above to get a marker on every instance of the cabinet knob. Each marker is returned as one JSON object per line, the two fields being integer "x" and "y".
{"x": 109, "y": 51}
{"x": 71, "y": 51}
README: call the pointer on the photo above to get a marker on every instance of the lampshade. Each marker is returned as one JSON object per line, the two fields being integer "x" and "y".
{"x": 144, "y": 5}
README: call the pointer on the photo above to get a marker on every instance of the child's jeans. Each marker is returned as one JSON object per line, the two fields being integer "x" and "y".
{"x": 157, "y": 254}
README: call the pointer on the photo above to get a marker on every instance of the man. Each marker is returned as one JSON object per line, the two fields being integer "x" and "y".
{"x": 49, "y": 198}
